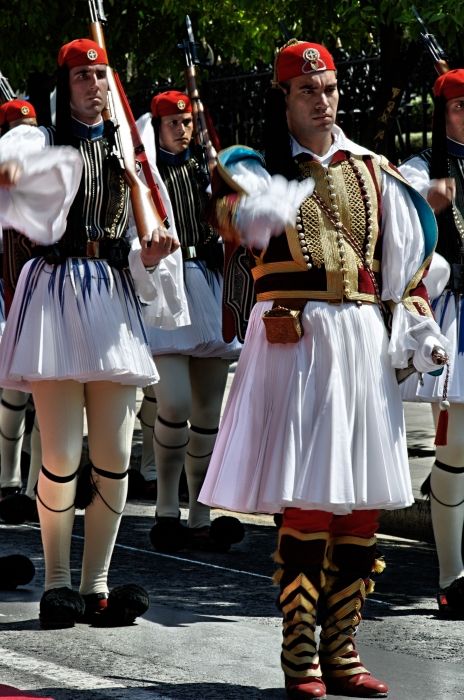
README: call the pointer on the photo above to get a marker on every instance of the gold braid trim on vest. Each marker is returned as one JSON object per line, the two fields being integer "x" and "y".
{"x": 348, "y": 188}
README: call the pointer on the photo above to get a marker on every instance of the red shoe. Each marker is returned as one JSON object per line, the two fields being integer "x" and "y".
{"x": 360, "y": 685}
{"x": 302, "y": 689}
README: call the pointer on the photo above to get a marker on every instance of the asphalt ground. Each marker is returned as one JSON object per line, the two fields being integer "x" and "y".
{"x": 212, "y": 630}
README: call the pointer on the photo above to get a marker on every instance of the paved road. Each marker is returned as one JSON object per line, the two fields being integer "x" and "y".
{"x": 212, "y": 630}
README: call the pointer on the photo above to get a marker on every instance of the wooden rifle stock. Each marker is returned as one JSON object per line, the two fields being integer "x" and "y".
{"x": 146, "y": 216}
{"x": 200, "y": 127}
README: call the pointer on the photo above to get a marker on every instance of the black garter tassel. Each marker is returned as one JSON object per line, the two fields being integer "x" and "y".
{"x": 85, "y": 488}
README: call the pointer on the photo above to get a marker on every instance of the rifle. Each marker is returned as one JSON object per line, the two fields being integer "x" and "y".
{"x": 148, "y": 213}
{"x": 6, "y": 91}
{"x": 200, "y": 127}
{"x": 439, "y": 56}
{"x": 439, "y": 163}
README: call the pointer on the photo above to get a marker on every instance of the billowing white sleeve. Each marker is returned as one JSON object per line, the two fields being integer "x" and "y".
{"x": 162, "y": 289}
{"x": 416, "y": 171}
{"x": 269, "y": 205}
{"x": 38, "y": 205}
{"x": 412, "y": 334}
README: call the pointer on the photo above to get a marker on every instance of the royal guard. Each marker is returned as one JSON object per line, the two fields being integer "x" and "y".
{"x": 313, "y": 428}
{"x": 438, "y": 174}
{"x": 193, "y": 361}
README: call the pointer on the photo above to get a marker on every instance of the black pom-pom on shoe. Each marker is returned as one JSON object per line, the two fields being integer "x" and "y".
{"x": 168, "y": 534}
{"x": 15, "y": 570}
{"x": 227, "y": 529}
{"x": 217, "y": 537}
{"x": 17, "y": 509}
{"x": 60, "y": 608}
{"x": 124, "y": 605}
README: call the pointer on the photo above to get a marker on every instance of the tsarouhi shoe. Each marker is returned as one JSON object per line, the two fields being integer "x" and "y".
{"x": 168, "y": 534}
{"x": 118, "y": 609}
{"x": 451, "y": 600}
{"x": 217, "y": 537}
{"x": 17, "y": 508}
{"x": 360, "y": 685}
{"x": 15, "y": 570}
{"x": 60, "y": 608}
{"x": 305, "y": 688}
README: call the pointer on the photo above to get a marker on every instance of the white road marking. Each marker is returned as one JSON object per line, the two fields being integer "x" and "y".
{"x": 66, "y": 678}
{"x": 176, "y": 558}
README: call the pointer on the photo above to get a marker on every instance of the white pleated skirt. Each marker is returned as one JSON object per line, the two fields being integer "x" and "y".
{"x": 314, "y": 425}
{"x": 449, "y": 314}
{"x": 78, "y": 320}
{"x": 203, "y": 337}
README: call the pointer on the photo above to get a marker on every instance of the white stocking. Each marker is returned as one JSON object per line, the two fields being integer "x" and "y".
{"x": 447, "y": 499}
{"x": 147, "y": 417}
{"x": 59, "y": 407}
{"x": 110, "y": 411}
{"x": 173, "y": 394}
{"x": 208, "y": 379}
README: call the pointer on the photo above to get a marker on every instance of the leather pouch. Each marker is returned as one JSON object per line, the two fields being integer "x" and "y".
{"x": 283, "y": 325}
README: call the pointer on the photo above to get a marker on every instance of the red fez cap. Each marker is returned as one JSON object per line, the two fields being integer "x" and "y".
{"x": 450, "y": 84}
{"x": 82, "y": 52}
{"x": 302, "y": 58}
{"x": 170, "y": 102}
{"x": 16, "y": 109}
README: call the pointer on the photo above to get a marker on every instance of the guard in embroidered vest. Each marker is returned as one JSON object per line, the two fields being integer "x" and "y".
{"x": 74, "y": 336}
{"x": 313, "y": 429}
{"x": 438, "y": 174}
{"x": 180, "y": 417}
{"x": 17, "y": 419}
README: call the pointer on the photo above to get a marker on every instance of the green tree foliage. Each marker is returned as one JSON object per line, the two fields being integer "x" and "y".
{"x": 142, "y": 35}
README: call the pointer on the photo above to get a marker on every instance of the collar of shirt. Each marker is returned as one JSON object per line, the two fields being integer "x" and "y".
{"x": 90, "y": 132}
{"x": 455, "y": 148}
{"x": 339, "y": 143}
{"x": 169, "y": 158}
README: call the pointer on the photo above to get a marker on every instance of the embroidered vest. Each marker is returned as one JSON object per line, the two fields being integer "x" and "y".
{"x": 318, "y": 259}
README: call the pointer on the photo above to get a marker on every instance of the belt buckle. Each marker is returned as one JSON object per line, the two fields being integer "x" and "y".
{"x": 190, "y": 252}
{"x": 93, "y": 249}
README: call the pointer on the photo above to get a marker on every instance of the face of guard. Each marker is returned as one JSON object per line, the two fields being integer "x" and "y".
{"x": 88, "y": 87}
{"x": 175, "y": 133}
{"x": 455, "y": 118}
{"x": 312, "y": 102}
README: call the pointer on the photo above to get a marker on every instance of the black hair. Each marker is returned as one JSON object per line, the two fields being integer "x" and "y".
{"x": 63, "y": 108}
{"x": 277, "y": 148}
{"x": 439, "y": 163}
{"x": 156, "y": 124}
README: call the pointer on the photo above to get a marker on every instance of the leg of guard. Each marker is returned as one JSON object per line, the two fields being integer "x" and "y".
{"x": 447, "y": 507}
{"x": 12, "y": 426}
{"x": 59, "y": 407}
{"x": 102, "y": 519}
{"x": 147, "y": 416}
{"x": 110, "y": 416}
{"x": 174, "y": 397}
{"x": 208, "y": 379}
{"x": 199, "y": 451}
{"x": 55, "y": 505}
{"x": 301, "y": 555}
{"x": 352, "y": 559}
